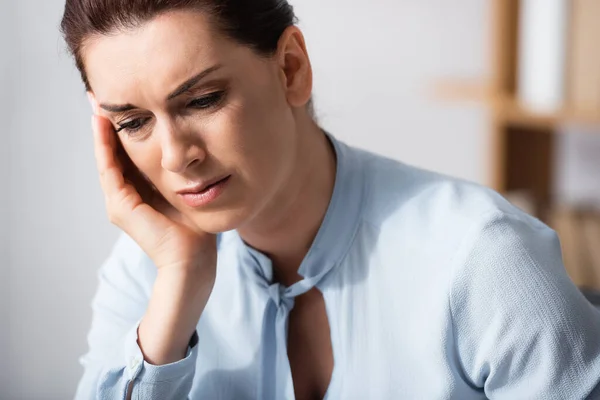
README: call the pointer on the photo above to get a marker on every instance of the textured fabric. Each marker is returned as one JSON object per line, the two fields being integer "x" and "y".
{"x": 434, "y": 288}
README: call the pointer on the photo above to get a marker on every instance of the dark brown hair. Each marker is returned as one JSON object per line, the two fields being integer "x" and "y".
{"x": 254, "y": 23}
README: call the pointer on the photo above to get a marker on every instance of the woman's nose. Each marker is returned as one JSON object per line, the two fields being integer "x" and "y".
{"x": 180, "y": 149}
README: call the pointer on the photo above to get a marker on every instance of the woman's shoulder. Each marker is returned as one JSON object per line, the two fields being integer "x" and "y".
{"x": 420, "y": 197}
{"x": 436, "y": 212}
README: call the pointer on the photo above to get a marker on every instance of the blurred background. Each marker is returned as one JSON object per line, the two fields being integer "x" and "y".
{"x": 505, "y": 93}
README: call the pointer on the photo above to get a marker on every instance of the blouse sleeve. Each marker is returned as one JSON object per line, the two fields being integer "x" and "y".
{"x": 522, "y": 329}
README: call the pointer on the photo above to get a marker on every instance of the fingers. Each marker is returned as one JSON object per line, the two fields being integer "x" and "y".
{"x": 109, "y": 169}
{"x": 116, "y": 190}
{"x": 132, "y": 204}
{"x": 118, "y": 178}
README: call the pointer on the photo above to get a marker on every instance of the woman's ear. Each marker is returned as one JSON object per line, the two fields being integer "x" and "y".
{"x": 295, "y": 67}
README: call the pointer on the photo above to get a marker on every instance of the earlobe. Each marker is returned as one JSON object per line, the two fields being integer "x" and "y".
{"x": 295, "y": 67}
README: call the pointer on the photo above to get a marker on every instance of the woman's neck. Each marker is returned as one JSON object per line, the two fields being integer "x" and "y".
{"x": 286, "y": 229}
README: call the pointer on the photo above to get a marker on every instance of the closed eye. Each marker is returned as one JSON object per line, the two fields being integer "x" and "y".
{"x": 132, "y": 126}
{"x": 202, "y": 103}
{"x": 208, "y": 101}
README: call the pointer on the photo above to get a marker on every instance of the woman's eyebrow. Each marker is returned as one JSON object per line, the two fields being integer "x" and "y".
{"x": 117, "y": 108}
{"x": 185, "y": 86}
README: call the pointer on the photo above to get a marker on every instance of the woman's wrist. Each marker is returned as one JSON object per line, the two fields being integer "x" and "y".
{"x": 177, "y": 302}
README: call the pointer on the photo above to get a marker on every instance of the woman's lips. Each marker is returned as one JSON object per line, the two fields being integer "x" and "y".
{"x": 206, "y": 196}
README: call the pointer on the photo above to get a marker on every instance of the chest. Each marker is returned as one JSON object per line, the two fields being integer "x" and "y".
{"x": 386, "y": 340}
{"x": 310, "y": 351}
{"x": 380, "y": 353}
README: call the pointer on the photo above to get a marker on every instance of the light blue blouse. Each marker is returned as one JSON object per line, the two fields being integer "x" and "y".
{"x": 434, "y": 288}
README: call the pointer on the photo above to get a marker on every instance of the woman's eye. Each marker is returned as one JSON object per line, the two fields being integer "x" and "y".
{"x": 207, "y": 101}
{"x": 133, "y": 125}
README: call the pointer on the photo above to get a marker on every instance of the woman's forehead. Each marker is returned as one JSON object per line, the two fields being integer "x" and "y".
{"x": 156, "y": 56}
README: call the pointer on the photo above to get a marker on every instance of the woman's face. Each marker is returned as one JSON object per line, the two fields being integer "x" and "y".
{"x": 195, "y": 107}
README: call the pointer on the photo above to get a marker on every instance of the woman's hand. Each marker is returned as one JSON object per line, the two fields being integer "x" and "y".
{"x": 185, "y": 256}
{"x": 133, "y": 205}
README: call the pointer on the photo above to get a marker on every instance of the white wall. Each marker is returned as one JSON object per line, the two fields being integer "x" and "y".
{"x": 373, "y": 60}
{"x": 59, "y": 233}
{"x": 6, "y": 52}
{"x": 375, "y": 63}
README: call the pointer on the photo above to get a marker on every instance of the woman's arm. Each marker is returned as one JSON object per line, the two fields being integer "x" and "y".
{"x": 523, "y": 330}
{"x": 156, "y": 361}
{"x": 114, "y": 358}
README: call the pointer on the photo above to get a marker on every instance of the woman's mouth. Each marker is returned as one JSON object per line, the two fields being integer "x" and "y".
{"x": 204, "y": 194}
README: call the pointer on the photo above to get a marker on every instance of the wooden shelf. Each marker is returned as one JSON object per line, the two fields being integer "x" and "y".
{"x": 514, "y": 113}
{"x": 509, "y": 110}
{"x": 463, "y": 91}
{"x": 523, "y": 143}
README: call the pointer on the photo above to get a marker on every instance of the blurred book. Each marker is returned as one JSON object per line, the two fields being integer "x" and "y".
{"x": 590, "y": 226}
{"x": 543, "y": 31}
{"x": 579, "y": 233}
{"x": 584, "y": 60}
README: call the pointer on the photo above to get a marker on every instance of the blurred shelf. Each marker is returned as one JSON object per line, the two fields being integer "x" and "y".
{"x": 523, "y": 144}
{"x": 509, "y": 110}
{"x": 463, "y": 91}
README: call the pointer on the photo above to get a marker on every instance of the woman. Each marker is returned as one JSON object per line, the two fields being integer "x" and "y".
{"x": 265, "y": 259}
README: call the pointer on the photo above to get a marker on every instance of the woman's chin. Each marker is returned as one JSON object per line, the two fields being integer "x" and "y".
{"x": 218, "y": 221}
